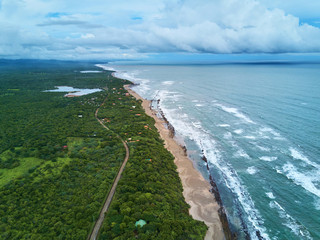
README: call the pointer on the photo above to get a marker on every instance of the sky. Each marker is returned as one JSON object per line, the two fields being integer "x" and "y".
{"x": 158, "y": 29}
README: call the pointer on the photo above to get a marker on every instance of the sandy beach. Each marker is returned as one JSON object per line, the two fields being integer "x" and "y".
{"x": 196, "y": 189}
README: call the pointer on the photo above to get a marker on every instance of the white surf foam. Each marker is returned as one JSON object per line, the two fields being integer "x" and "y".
{"x": 197, "y": 125}
{"x": 269, "y": 130}
{"x": 199, "y": 105}
{"x": 235, "y": 112}
{"x": 270, "y": 195}
{"x": 233, "y": 182}
{"x": 268, "y": 158}
{"x": 168, "y": 96}
{"x": 298, "y": 155}
{"x": 268, "y": 133}
{"x": 279, "y": 138}
{"x": 184, "y": 127}
{"x": 308, "y": 180}
{"x": 143, "y": 88}
{"x": 291, "y": 223}
{"x": 238, "y": 131}
{"x": 223, "y": 125}
{"x": 265, "y": 149}
{"x": 167, "y": 83}
{"x": 250, "y": 137}
{"x": 252, "y": 170}
{"x": 241, "y": 154}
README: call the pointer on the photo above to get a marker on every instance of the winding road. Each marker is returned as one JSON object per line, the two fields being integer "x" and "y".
{"x": 93, "y": 235}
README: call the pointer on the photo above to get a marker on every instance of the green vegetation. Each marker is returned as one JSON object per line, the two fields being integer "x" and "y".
{"x": 25, "y": 164}
{"x": 57, "y": 163}
{"x": 150, "y": 188}
{"x": 55, "y": 167}
{"x": 9, "y": 160}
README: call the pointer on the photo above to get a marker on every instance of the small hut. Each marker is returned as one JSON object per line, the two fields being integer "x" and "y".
{"x": 140, "y": 223}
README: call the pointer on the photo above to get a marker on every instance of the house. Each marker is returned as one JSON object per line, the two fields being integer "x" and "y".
{"x": 140, "y": 223}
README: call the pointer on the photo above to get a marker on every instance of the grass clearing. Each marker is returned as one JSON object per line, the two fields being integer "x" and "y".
{"x": 6, "y": 175}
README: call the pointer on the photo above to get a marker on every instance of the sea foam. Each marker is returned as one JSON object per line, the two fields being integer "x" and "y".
{"x": 235, "y": 112}
{"x": 205, "y": 142}
{"x": 270, "y": 195}
{"x": 238, "y": 131}
{"x": 241, "y": 154}
{"x": 197, "y": 124}
{"x": 252, "y": 170}
{"x": 291, "y": 223}
{"x": 306, "y": 180}
{"x": 268, "y": 159}
{"x": 270, "y": 131}
{"x": 223, "y": 125}
{"x": 143, "y": 88}
{"x": 264, "y": 149}
{"x": 167, "y": 83}
{"x": 250, "y": 137}
{"x": 299, "y": 156}
{"x": 199, "y": 105}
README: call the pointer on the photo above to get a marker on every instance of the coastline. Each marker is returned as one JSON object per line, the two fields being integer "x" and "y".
{"x": 196, "y": 190}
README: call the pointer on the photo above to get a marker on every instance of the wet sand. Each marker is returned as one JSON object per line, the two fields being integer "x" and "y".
{"x": 196, "y": 190}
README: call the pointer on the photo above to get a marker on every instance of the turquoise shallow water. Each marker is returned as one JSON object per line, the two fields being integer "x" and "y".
{"x": 259, "y": 127}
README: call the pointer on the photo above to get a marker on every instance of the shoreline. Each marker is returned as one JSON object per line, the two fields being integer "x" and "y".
{"x": 196, "y": 190}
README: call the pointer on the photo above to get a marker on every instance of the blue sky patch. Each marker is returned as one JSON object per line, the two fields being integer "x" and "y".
{"x": 136, "y": 18}
{"x": 56, "y": 14}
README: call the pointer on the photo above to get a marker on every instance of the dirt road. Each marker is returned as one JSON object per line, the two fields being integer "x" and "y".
{"x": 93, "y": 235}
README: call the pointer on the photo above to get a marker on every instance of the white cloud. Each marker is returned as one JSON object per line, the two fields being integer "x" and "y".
{"x": 104, "y": 29}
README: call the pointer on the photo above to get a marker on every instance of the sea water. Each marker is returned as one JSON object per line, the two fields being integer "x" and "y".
{"x": 259, "y": 127}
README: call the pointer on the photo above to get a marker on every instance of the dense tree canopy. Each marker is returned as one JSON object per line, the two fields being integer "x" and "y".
{"x": 57, "y": 163}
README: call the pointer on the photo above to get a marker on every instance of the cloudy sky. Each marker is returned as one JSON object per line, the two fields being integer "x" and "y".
{"x": 140, "y": 29}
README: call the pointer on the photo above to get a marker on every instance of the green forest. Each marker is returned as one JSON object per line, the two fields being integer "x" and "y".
{"x": 57, "y": 163}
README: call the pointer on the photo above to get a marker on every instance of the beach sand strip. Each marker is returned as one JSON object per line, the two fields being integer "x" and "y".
{"x": 196, "y": 190}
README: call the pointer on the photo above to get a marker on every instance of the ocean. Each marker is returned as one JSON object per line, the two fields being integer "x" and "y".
{"x": 258, "y": 125}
